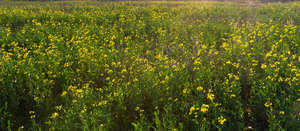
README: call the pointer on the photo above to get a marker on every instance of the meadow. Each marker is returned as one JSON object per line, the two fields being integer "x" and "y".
{"x": 149, "y": 66}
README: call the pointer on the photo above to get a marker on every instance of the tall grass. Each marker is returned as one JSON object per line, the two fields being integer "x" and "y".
{"x": 119, "y": 66}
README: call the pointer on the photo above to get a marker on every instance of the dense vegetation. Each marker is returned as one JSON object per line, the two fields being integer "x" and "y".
{"x": 159, "y": 66}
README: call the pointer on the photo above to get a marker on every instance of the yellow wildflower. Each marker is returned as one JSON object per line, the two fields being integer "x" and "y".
{"x": 199, "y": 88}
{"x": 268, "y": 104}
{"x": 232, "y": 95}
{"x": 185, "y": 90}
{"x": 281, "y": 112}
{"x": 210, "y": 96}
{"x": 263, "y": 66}
{"x": 204, "y": 108}
{"x": 191, "y": 110}
{"x": 31, "y": 112}
{"x": 21, "y": 128}
{"x": 54, "y": 115}
{"x": 58, "y": 107}
{"x": 221, "y": 120}
{"x": 63, "y": 93}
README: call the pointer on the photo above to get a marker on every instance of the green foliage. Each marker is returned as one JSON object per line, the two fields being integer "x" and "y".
{"x": 150, "y": 66}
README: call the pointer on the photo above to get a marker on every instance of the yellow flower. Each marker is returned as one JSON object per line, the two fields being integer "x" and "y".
{"x": 281, "y": 112}
{"x": 79, "y": 90}
{"x": 232, "y": 95}
{"x": 228, "y": 62}
{"x": 110, "y": 71}
{"x": 221, "y": 120}
{"x": 199, "y": 88}
{"x": 20, "y": 128}
{"x": 185, "y": 90}
{"x": 54, "y": 115}
{"x": 31, "y": 112}
{"x": 236, "y": 77}
{"x": 124, "y": 71}
{"x": 268, "y": 104}
{"x": 141, "y": 111}
{"x": 210, "y": 96}
{"x": 191, "y": 110}
{"x": 36, "y": 98}
{"x": 263, "y": 66}
{"x": 137, "y": 108}
{"x": 63, "y": 93}
{"x": 84, "y": 109}
{"x": 32, "y": 116}
{"x": 180, "y": 45}
{"x": 58, "y": 107}
{"x": 280, "y": 79}
{"x": 204, "y": 108}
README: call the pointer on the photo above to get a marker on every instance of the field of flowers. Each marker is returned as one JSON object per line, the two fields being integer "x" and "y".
{"x": 149, "y": 66}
